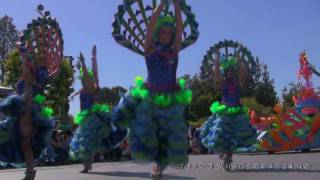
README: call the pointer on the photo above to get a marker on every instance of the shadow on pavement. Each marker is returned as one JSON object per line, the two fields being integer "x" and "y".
{"x": 139, "y": 175}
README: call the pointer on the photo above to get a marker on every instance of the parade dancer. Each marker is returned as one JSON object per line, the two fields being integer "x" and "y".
{"x": 95, "y": 133}
{"x": 154, "y": 110}
{"x": 229, "y": 127}
{"x": 27, "y": 127}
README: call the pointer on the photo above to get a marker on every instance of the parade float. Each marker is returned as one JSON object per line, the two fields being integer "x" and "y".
{"x": 298, "y": 127}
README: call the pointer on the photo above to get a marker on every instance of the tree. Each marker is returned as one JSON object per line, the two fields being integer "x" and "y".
{"x": 110, "y": 96}
{"x": 288, "y": 92}
{"x": 8, "y": 38}
{"x": 253, "y": 104}
{"x": 60, "y": 88}
{"x": 203, "y": 94}
{"x": 264, "y": 91}
{"x": 13, "y": 68}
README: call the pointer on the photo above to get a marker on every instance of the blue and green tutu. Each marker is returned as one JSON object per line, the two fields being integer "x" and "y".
{"x": 12, "y": 107}
{"x": 228, "y": 129}
{"x": 158, "y": 131}
{"x": 95, "y": 133}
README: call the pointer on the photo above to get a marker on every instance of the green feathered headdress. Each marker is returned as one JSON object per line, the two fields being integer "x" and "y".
{"x": 225, "y": 64}
{"x": 164, "y": 21}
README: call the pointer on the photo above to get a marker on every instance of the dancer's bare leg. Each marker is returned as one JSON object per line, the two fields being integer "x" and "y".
{"x": 87, "y": 166}
{"x": 26, "y": 127}
{"x": 156, "y": 171}
{"x": 227, "y": 161}
{"x": 27, "y": 131}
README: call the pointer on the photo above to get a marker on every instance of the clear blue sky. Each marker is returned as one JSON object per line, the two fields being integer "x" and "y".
{"x": 275, "y": 30}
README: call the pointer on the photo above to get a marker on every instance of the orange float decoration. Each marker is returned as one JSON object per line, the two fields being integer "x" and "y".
{"x": 298, "y": 127}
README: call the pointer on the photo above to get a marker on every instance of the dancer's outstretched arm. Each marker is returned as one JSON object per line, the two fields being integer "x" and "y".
{"x": 151, "y": 26}
{"x": 88, "y": 85}
{"x": 179, "y": 26}
{"x": 217, "y": 74}
{"x": 26, "y": 126}
{"x": 241, "y": 71}
{"x": 95, "y": 66}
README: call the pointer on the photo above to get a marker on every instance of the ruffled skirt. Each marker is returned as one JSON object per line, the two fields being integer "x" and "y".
{"x": 156, "y": 134}
{"x": 10, "y": 135}
{"x": 95, "y": 134}
{"x": 227, "y": 132}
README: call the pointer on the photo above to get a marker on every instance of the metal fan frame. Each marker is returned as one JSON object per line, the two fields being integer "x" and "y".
{"x": 208, "y": 64}
{"x": 136, "y": 44}
{"x": 34, "y": 44}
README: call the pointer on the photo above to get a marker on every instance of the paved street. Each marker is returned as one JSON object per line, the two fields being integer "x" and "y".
{"x": 296, "y": 166}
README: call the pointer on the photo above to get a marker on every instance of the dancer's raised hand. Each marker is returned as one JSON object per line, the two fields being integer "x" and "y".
{"x": 217, "y": 71}
{"x": 87, "y": 81}
{"x": 241, "y": 70}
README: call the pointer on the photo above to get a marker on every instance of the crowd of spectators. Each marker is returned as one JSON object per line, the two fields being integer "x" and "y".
{"x": 195, "y": 145}
{"x": 57, "y": 152}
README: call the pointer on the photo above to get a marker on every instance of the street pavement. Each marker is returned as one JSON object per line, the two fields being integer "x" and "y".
{"x": 292, "y": 166}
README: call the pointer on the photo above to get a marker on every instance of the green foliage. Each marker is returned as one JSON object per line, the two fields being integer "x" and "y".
{"x": 253, "y": 104}
{"x": 13, "y": 68}
{"x": 60, "y": 88}
{"x": 203, "y": 96}
{"x": 110, "y": 96}
{"x": 264, "y": 91}
{"x": 8, "y": 38}
{"x": 288, "y": 92}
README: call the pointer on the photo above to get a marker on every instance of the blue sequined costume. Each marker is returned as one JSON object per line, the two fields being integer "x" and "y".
{"x": 10, "y": 135}
{"x": 96, "y": 133}
{"x": 157, "y": 133}
{"x": 228, "y": 128}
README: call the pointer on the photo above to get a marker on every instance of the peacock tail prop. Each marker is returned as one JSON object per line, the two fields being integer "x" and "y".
{"x": 184, "y": 96}
{"x": 217, "y": 108}
{"x": 39, "y": 99}
{"x": 42, "y": 40}
{"x": 228, "y": 50}
{"x": 133, "y": 16}
{"x": 83, "y": 115}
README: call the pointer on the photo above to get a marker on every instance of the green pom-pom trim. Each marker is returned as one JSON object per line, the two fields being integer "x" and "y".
{"x": 90, "y": 72}
{"x": 182, "y": 83}
{"x": 163, "y": 100}
{"x": 47, "y": 112}
{"x": 139, "y": 81}
{"x": 217, "y": 108}
{"x": 184, "y": 96}
{"x": 80, "y": 117}
{"x": 139, "y": 91}
{"x": 83, "y": 115}
{"x": 39, "y": 99}
{"x": 100, "y": 107}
